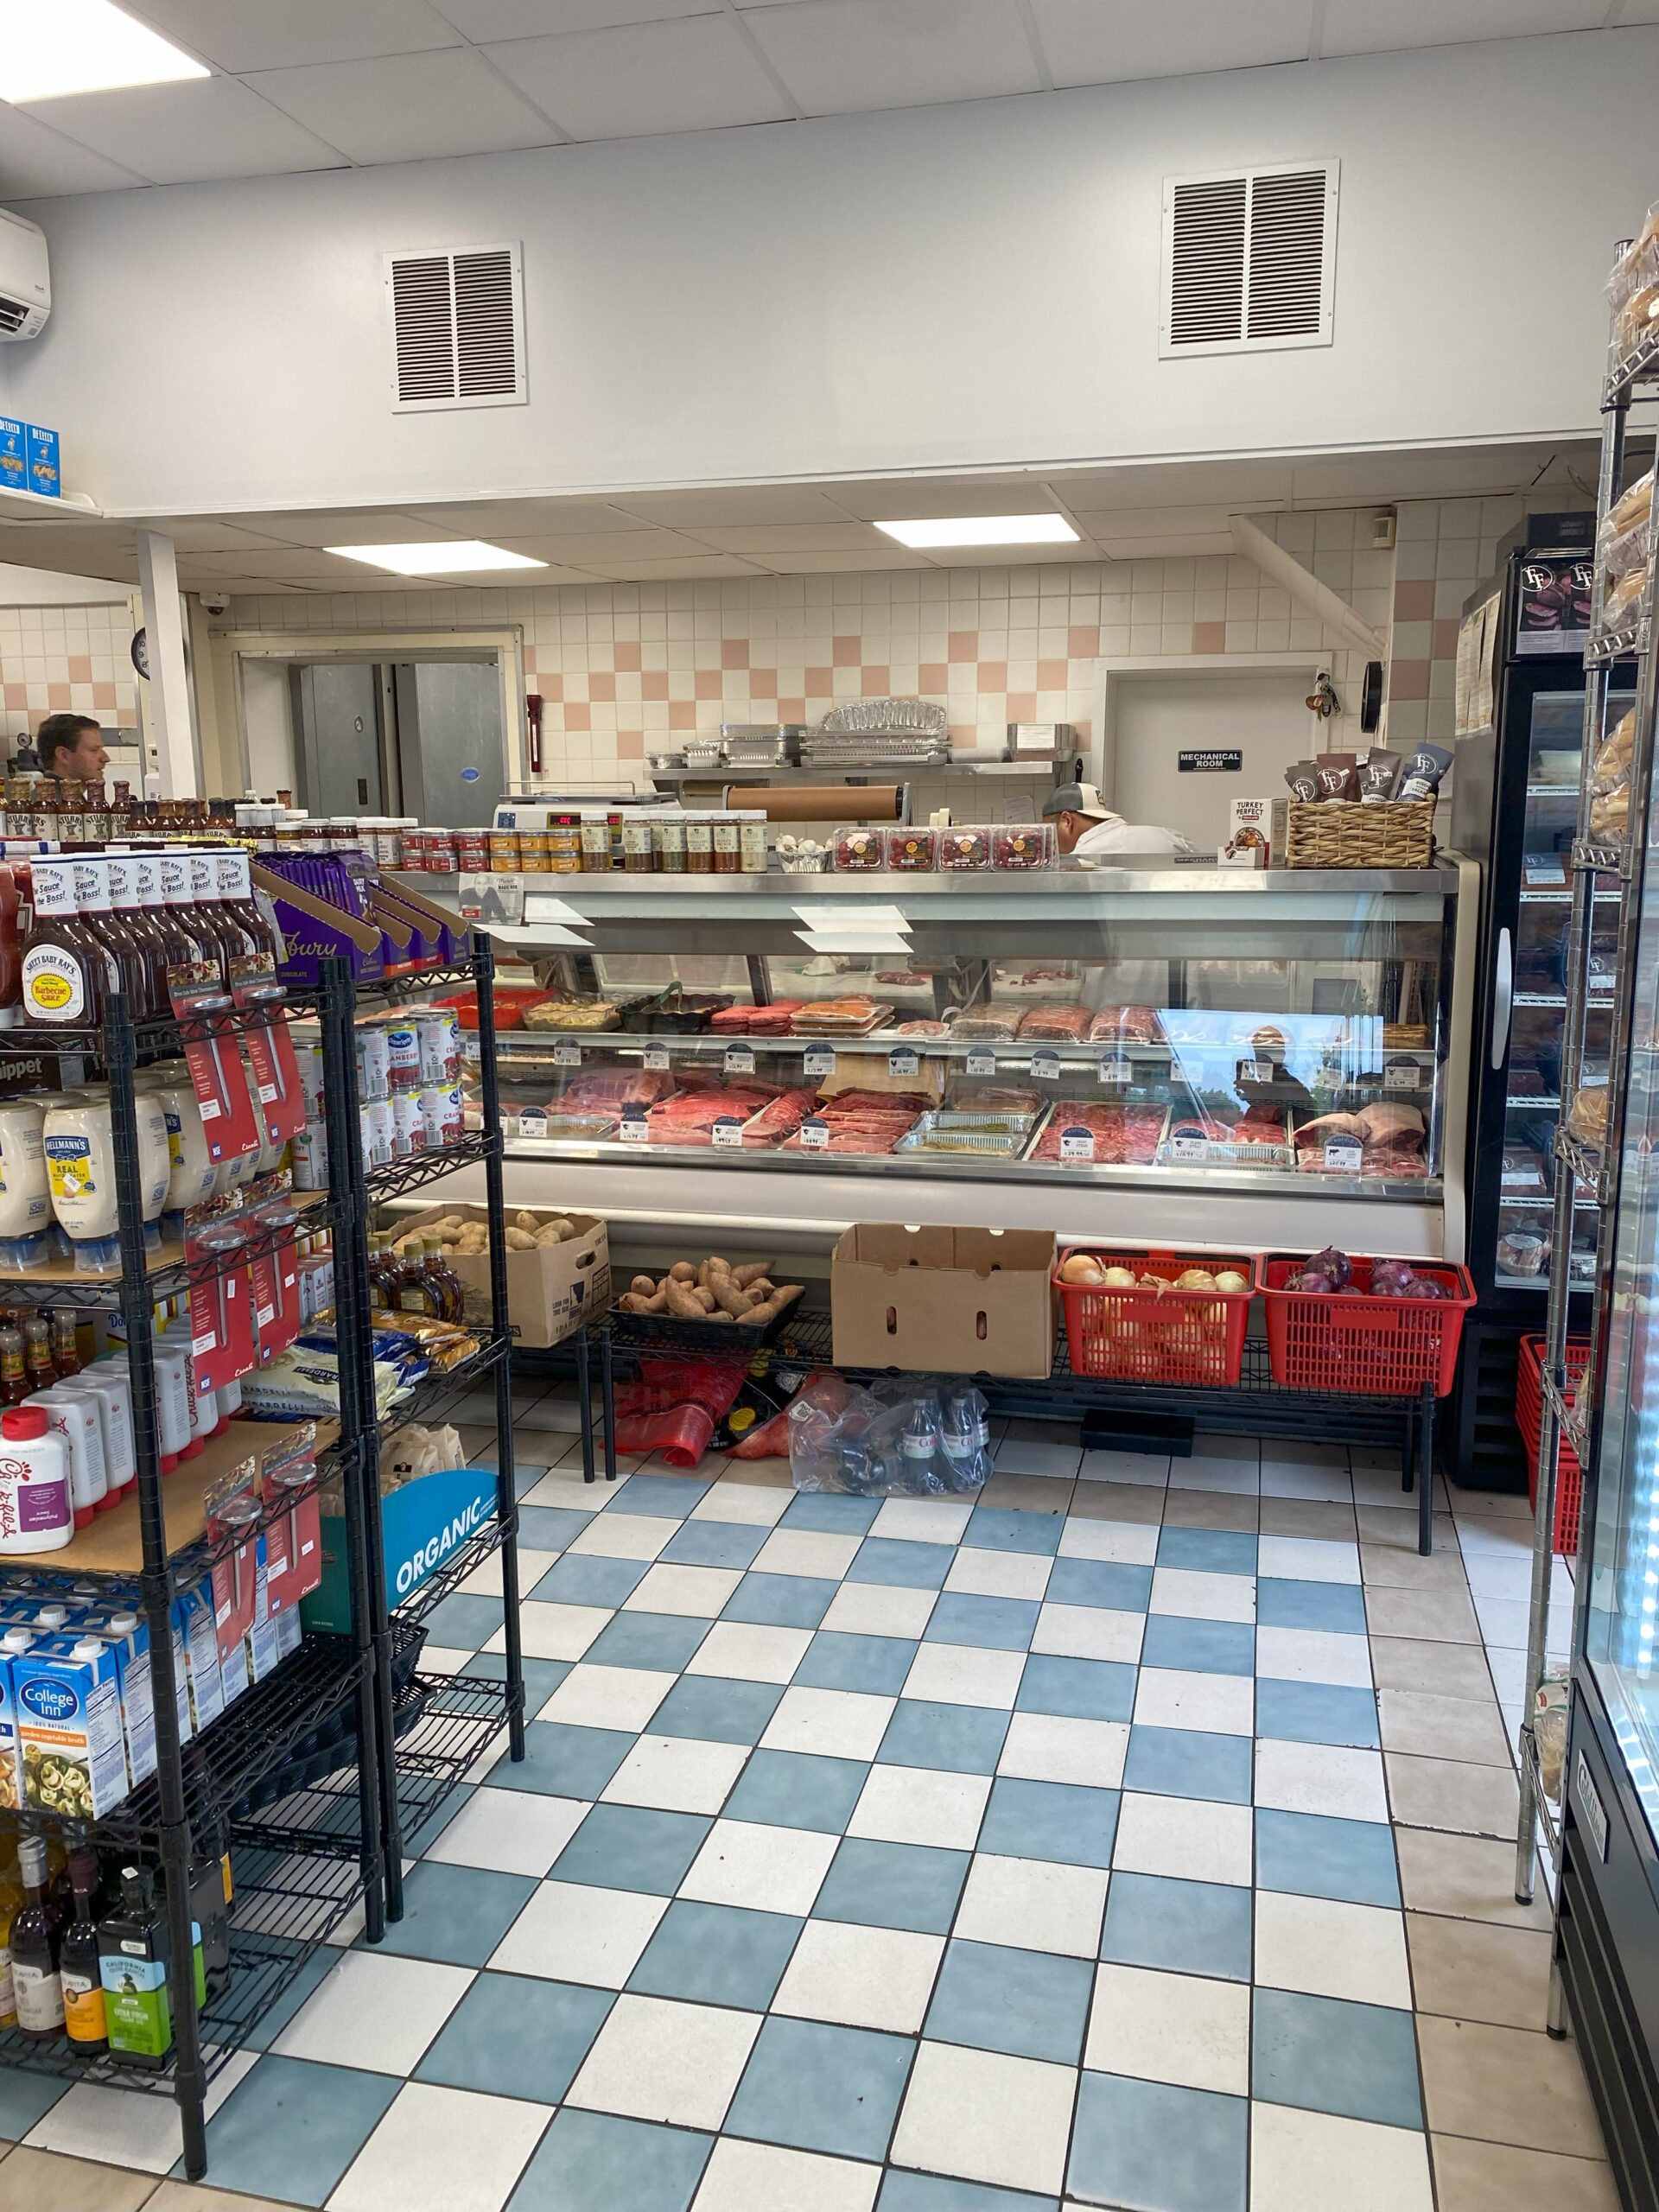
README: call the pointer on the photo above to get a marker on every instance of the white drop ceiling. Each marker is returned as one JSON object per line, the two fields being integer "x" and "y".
{"x": 1122, "y": 512}
{"x": 332, "y": 84}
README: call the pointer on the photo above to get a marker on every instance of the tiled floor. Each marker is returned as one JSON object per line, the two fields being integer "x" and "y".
{"x": 1136, "y": 1836}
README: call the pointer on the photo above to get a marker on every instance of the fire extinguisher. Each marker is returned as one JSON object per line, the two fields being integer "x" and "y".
{"x": 533, "y": 716}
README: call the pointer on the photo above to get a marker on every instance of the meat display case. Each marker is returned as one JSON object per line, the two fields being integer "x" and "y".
{"x": 1098, "y": 1051}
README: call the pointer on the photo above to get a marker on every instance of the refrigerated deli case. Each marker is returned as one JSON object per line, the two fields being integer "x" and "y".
{"x": 1188, "y": 1056}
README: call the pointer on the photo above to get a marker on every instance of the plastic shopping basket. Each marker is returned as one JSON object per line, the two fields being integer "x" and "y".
{"x": 1348, "y": 1340}
{"x": 1156, "y": 1334}
{"x": 1528, "y": 1418}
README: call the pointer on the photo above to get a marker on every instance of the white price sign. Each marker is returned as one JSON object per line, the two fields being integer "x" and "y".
{"x": 980, "y": 1062}
{"x": 567, "y": 1053}
{"x": 656, "y": 1056}
{"x": 1115, "y": 1070}
{"x": 633, "y": 1129}
{"x": 1187, "y": 1148}
{"x": 819, "y": 1060}
{"x": 1342, "y": 1156}
{"x": 1258, "y": 1071}
{"x": 1077, "y": 1144}
{"x": 532, "y": 1122}
{"x": 1046, "y": 1066}
{"x": 740, "y": 1060}
{"x": 729, "y": 1130}
{"x": 815, "y": 1132}
{"x": 1400, "y": 1075}
{"x": 903, "y": 1060}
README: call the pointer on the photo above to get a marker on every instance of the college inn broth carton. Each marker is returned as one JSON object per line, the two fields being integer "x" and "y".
{"x": 71, "y": 1747}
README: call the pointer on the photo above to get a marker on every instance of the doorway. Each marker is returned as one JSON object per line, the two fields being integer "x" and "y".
{"x": 1258, "y": 715}
{"x": 424, "y": 737}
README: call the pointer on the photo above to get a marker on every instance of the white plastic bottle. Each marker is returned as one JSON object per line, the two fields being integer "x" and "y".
{"x": 172, "y": 1405}
{"x": 75, "y": 1418}
{"x": 112, "y": 1394}
{"x": 80, "y": 1172}
{"x": 175, "y": 1383}
{"x": 25, "y": 1199}
{"x": 190, "y": 1176}
{"x": 155, "y": 1158}
{"x": 36, "y": 1514}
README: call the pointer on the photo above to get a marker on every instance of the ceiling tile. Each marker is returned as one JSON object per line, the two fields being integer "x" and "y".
{"x": 210, "y": 536}
{"x": 707, "y": 564}
{"x": 412, "y": 107}
{"x": 241, "y": 34}
{"x": 1638, "y": 11}
{"x": 905, "y": 501}
{"x": 602, "y": 547}
{"x": 207, "y": 127}
{"x": 837, "y": 56}
{"x": 1386, "y": 26}
{"x": 287, "y": 565}
{"x": 356, "y": 526}
{"x": 36, "y": 161}
{"x": 484, "y": 19}
{"x": 498, "y": 518}
{"x": 1150, "y": 522}
{"x": 1176, "y": 484}
{"x": 697, "y": 74}
{"x": 1103, "y": 42}
{"x": 751, "y": 503}
{"x": 850, "y": 564}
{"x": 763, "y": 539}
{"x": 1008, "y": 556}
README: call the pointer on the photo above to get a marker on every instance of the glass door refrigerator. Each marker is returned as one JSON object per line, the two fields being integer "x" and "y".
{"x": 1520, "y": 707}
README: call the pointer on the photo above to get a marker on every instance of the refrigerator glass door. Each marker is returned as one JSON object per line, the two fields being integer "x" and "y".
{"x": 1523, "y": 1259}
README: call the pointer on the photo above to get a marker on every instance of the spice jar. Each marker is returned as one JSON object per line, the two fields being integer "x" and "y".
{"x": 504, "y": 851}
{"x": 667, "y": 835}
{"x": 752, "y": 834}
{"x": 473, "y": 850}
{"x": 636, "y": 856}
{"x": 727, "y": 844}
{"x": 596, "y": 843}
{"x": 699, "y": 845}
{"x": 534, "y": 852}
{"x": 564, "y": 846}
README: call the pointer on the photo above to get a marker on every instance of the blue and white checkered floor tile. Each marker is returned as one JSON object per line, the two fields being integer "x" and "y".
{"x": 1133, "y": 1836}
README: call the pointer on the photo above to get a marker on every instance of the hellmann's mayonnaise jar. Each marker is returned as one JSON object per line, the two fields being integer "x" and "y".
{"x": 80, "y": 1176}
{"x": 25, "y": 1199}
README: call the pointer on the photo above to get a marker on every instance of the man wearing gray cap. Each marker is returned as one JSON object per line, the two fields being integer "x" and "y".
{"x": 1087, "y": 831}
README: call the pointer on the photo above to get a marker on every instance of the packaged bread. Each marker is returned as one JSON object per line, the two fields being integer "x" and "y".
{"x": 1588, "y": 1118}
{"x": 1633, "y": 506}
{"x": 1619, "y": 605}
{"x": 1611, "y": 765}
{"x": 1610, "y": 816}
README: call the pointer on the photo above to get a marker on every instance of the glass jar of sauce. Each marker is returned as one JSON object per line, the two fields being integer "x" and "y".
{"x": 668, "y": 843}
{"x": 595, "y": 836}
{"x": 699, "y": 845}
{"x": 638, "y": 856}
{"x": 727, "y": 843}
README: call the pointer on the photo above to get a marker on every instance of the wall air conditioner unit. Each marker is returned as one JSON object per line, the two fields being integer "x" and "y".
{"x": 25, "y": 280}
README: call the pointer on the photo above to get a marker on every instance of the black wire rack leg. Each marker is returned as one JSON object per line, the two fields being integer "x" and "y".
{"x": 190, "y": 2075}
{"x": 506, "y": 1488}
{"x": 607, "y": 1399}
{"x": 585, "y": 1401}
{"x": 1426, "y": 1472}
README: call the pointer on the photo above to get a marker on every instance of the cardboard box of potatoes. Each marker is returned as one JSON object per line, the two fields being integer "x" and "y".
{"x": 558, "y": 1266}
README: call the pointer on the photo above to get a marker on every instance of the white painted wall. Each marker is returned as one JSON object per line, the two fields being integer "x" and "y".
{"x": 45, "y": 588}
{"x": 267, "y": 724}
{"x": 947, "y": 288}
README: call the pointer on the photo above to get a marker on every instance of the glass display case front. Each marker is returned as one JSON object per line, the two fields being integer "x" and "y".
{"x": 1201, "y": 1034}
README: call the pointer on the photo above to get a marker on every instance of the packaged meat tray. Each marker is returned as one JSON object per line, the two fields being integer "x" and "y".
{"x": 690, "y": 1118}
{"x": 976, "y": 1025}
{"x": 1259, "y": 1138}
{"x": 1125, "y": 1024}
{"x": 572, "y": 1014}
{"x": 773, "y": 1020}
{"x": 1124, "y": 1135}
{"x": 1059, "y": 1024}
{"x": 858, "y": 1121}
{"x": 848, "y": 1017}
{"x": 780, "y": 1117}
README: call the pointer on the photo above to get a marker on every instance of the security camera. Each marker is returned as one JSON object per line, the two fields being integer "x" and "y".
{"x": 216, "y": 602}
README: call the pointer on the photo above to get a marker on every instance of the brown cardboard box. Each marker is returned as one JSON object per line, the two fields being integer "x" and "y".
{"x": 550, "y": 1291}
{"x": 953, "y": 1301}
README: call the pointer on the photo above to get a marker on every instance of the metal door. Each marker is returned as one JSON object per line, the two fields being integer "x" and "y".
{"x": 337, "y": 726}
{"x": 451, "y": 746}
{"x": 1168, "y": 726}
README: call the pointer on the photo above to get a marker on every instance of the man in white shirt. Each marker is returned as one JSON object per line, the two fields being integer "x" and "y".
{"x": 1086, "y": 829}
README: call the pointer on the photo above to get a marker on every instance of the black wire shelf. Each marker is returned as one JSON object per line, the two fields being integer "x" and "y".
{"x": 402, "y": 1176}
{"x": 163, "y": 1035}
{"x": 286, "y": 1907}
{"x": 173, "y": 1274}
{"x": 415, "y": 982}
{"x": 431, "y": 1399}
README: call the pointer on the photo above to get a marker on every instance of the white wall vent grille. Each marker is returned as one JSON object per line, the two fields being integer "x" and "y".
{"x": 1248, "y": 259}
{"x": 457, "y": 329}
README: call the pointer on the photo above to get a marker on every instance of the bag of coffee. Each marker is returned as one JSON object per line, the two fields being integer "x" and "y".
{"x": 1379, "y": 775}
{"x": 1423, "y": 772}
{"x": 1303, "y": 777}
{"x": 1337, "y": 775}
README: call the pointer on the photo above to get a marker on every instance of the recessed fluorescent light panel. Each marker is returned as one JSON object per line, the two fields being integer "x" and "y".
{"x": 982, "y": 530}
{"x": 52, "y": 47}
{"x": 452, "y": 557}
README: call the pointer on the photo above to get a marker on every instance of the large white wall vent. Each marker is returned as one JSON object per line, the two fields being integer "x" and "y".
{"x": 1248, "y": 259}
{"x": 457, "y": 329}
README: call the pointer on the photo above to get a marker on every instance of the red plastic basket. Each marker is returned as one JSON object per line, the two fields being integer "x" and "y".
{"x": 1348, "y": 1340}
{"x": 1156, "y": 1335}
{"x": 1528, "y": 1418}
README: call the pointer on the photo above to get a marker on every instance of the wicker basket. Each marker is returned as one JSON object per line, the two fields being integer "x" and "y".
{"x": 1341, "y": 833}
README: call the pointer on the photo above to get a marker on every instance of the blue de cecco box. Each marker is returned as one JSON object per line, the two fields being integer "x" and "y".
{"x": 45, "y": 475}
{"x": 14, "y": 455}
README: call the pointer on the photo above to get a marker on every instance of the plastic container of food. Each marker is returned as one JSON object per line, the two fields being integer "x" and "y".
{"x": 965, "y": 846}
{"x": 911, "y": 851}
{"x": 857, "y": 849}
{"x": 1021, "y": 844}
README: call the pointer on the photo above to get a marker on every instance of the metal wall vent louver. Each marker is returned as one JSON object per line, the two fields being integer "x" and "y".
{"x": 457, "y": 329}
{"x": 1248, "y": 259}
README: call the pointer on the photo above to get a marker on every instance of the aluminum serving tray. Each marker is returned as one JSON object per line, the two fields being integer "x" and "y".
{"x": 1000, "y": 1134}
{"x": 1056, "y": 1113}
{"x": 1219, "y": 1153}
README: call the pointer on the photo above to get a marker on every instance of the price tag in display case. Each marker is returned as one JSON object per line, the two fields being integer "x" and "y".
{"x": 532, "y": 1122}
{"x": 1114, "y": 1069}
{"x": 567, "y": 1053}
{"x": 1342, "y": 1156}
{"x": 819, "y": 1060}
{"x": 1046, "y": 1067}
{"x": 1076, "y": 1143}
{"x": 727, "y": 1130}
{"x": 980, "y": 1062}
{"x": 1258, "y": 1071}
{"x": 633, "y": 1129}
{"x": 815, "y": 1132}
{"x": 1189, "y": 1147}
{"x": 740, "y": 1060}
{"x": 655, "y": 1057}
{"x": 1401, "y": 1074}
{"x": 903, "y": 1060}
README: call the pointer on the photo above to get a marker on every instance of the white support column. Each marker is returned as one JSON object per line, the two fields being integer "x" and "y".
{"x": 169, "y": 680}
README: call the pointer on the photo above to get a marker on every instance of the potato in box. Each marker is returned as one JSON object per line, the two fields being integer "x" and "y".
{"x": 553, "y": 1287}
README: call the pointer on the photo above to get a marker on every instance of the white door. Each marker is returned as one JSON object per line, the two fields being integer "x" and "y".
{"x": 1159, "y": 717}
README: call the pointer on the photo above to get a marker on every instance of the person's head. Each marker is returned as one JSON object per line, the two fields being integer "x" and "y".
{"x": 72, "y": 745}
{"x": 1073, "y": 808}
